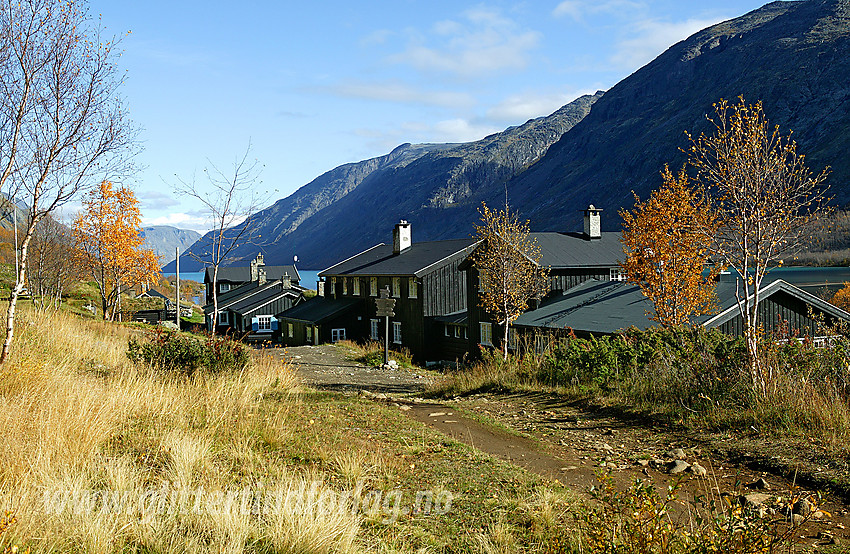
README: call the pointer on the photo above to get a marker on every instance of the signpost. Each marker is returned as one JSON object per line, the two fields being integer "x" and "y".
{"x": 385, "y": 306}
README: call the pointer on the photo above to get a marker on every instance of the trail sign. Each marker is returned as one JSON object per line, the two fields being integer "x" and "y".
{"x": 385, "y": 304}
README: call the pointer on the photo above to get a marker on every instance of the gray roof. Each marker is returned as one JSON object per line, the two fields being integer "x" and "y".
{"x": 416, "y": 260}
{"x": 319, "y": 309}
{"x": 568, "y": 250}
{"x": 242, "y": 274}
{"x": 239, "y": 298}
{"x": 267, "y": 296}
{"x": 605, "y": 307}
{"x": 455, "y": 318}
{"x": 576, "y": 250}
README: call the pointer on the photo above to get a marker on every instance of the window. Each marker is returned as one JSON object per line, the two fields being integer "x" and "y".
{"x": 375, "y": 329}
{"x": 264, "y": 323}
{"x": 617, "y": 274}
{"x": 486, "y": 333}
{"x": 290, "y": 330}
{"x": 337, "y": 335}
{"x": 457, "y": 331}
{"x": 223, "y": 287}
{"x": 373, "y": 286}
{"x": 448, "y": 330}
{"x": 412, "y": 288}
{"x": 356, "y": 286}
{"x": 309, "y": 334}
{"x": 396, "y": 287}
{"x": 512, "y": 339}
{"x": 396, "y": 332}
{"x": 223, "y": 319}
{"x": 344, "y": 286}
{"x": 333, "y": 286}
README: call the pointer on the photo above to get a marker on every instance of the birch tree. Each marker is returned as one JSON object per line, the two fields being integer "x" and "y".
{"x": 230, "y": 201}
{"x": 665, "y": 251}
{"x": 109, "y": 246}
{"x": 62, "y": 123}
{"x": 764, "y": 196}
{"x": 508, "y": 265}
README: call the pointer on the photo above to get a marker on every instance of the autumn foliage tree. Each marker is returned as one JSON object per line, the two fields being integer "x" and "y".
{"x": 109, "y": 246}
{"x": 665, "y": 250}
{"x": 764, "y": 197}
{"x": 508, "y": 265}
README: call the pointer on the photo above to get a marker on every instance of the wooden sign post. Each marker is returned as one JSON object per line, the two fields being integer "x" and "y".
{"x": 385, "y": 306}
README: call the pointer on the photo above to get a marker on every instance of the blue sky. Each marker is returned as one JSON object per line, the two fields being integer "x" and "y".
{"x": 313, "y": 85}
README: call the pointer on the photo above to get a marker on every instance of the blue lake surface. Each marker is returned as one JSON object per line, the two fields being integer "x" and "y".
{"x": 308, "y": 277}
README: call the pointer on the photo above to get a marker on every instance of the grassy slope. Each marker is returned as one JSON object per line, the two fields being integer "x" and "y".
{"x": 78, "y": 421}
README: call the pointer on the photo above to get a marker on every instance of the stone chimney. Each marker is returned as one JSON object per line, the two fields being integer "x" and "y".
{"x": 592, "y": 223}
{"x": 286, "y": 281}
{"x": 401, "y": 237}
{"x": 261, "y": 276}
{"x": 254, "y": 274}
{"x": 255, "y": 264}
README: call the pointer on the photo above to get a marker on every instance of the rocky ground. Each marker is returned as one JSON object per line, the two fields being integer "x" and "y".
{"x": 571, "y": 444}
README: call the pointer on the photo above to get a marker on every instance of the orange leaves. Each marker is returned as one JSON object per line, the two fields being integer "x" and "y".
{"x": 666, "y": 250}
{"x": 108, "y": 243}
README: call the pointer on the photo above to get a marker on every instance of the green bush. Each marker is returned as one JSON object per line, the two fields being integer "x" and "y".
{"x": 173, "y": 351}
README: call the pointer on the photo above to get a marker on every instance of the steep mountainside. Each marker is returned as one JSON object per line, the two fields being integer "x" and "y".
{"x": 794, "y": 56}
{"x": 356, "y": 204}
{"x": 163, "y": 239}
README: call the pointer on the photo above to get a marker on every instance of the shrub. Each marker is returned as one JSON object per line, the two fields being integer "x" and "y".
{"x": 174, "y": 351}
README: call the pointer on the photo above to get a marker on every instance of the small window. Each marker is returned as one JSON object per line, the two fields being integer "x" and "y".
{"x": 264, "y": 323}
{"x": 333, "y": 286}
{"x": 512, "y": 339}
{"x": 373, "y": 286}
{"x": 337, "y": 335}
{"x": 617, "y": 274}
{"x": 465, "y": 333}
{"x": 223, "y": 287}
{"x": 412, "y": 288}
{"x": 223, "y": 319}
{"x": 344, "y": 286}
{"x": 486, "y": 333}
{"x": 309, "y": 334}
{"x": 396, "y": 287}
{"x": 396, "y": 332}
{"x": 290, "y": 330}
{"x": 457, "y": 331}
{"x": 375, "y": 329}
{"x": 448, "y": 330}
{"x": 356, "y": 286}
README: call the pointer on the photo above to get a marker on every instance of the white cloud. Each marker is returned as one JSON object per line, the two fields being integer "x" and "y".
{"x": 461, "y": 130}
{"x": 652, "y": 37}
{"x": 578, "y": 9}
{"x": 404, "y": 94}
{"x": 519, "y": 108}
{"x": 482, "y": 42}
{"x": 180, "y": 220}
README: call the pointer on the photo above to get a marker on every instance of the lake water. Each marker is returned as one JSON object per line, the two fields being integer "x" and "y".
{"x": 308, "y": 277}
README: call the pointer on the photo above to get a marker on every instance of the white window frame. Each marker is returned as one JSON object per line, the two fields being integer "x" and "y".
{"x": 486, "y": 333}
{"x": 264, "y": 324}
{"x": 412, "y": 288}
{"x": 344, "y": 286}
{"x": 448, "y": 330}
{"x": 223, "y": 318}
{"x": 309, "y": 334}
{"x": 373, "y": 286}
{"x": 396, "y": 332}
{"x": 396, "y": 287}
{"x": 224, "y": 287}
{"x": 337, "y": 334}
{"x": 457, "y": 331}
{"x": 375, "y": 329}
{"x": 333, "y": 286}
{"x": 617, "y": 274}
{"x": 355, "y": 287}
{"x": 290, "y": 329}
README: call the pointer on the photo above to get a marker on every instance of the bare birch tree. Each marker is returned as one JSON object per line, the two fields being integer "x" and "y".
{"x": 230, "y": 201}
{"x": 764, "y": 196}
{"x": 508, "y": 265}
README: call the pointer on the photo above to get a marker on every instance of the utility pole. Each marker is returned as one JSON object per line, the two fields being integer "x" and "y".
{"x": 177, "y": 288}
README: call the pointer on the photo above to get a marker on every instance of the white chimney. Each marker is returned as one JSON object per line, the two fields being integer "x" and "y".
{"x": 401, "y": 237}
{"x": 592, "y": 223}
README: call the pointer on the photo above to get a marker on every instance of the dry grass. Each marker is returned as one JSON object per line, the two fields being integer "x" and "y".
{"x": 95, "y": 453}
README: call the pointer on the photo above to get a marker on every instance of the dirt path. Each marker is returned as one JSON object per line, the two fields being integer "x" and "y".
{"x": 563, "y": 442}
